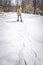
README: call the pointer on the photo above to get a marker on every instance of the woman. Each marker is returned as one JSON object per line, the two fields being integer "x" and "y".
{"x": 19, "y": 11}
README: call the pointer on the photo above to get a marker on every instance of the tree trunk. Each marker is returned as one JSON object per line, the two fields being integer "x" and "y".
{"x": 34, "y": 4}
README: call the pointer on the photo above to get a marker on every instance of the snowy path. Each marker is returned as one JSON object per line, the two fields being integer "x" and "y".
{"x": 21, "y": 43}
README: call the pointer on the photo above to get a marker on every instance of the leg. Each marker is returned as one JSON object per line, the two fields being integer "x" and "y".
{"x": 18, "y": 18}
{"x": 21, "y": 18}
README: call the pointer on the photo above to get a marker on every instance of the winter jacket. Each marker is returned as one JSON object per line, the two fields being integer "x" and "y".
{"x": 19, "y": 11}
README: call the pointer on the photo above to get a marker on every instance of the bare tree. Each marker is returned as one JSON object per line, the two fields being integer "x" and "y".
{"x": 0, "y": 2}
{"x": 42, "y": 5}
{"x": 34, "y": 5}
{"x": 37, "y": 3}
{"x": 16, "y": 2}
{"x": 8, "y": 4}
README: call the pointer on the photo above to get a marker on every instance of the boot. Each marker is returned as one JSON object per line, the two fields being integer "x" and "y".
{"x": 17, "y": 20}
{"x": 21, "y": 20}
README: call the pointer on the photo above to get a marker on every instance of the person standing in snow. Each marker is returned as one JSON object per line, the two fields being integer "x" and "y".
{"x": 19, "y": 11}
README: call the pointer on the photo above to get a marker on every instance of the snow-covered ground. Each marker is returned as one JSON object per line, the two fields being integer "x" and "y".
{"x": 21, "y": 43}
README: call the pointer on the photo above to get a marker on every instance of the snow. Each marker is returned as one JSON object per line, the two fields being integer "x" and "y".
{"x": 21, "y": 43}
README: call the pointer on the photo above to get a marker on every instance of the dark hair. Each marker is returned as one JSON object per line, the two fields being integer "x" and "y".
{"x": 19, "y": 6}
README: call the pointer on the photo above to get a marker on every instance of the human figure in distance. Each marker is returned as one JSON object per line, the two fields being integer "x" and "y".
{"x": 19, "y": 12}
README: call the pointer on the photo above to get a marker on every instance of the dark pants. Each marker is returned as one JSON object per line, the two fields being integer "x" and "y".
{"x": 20, "y": 18}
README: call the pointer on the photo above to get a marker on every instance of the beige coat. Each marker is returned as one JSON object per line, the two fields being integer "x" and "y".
{"x": 19, "y": 11}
